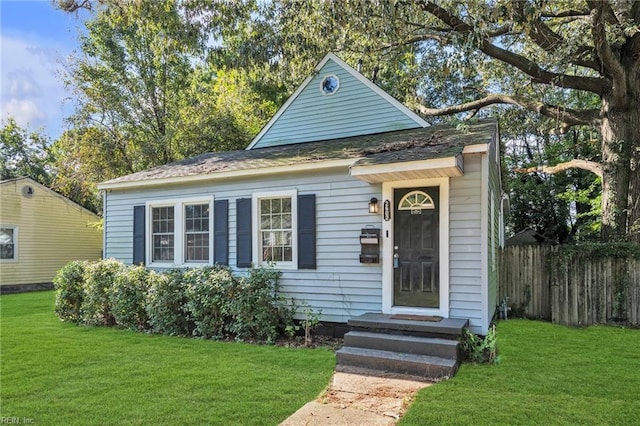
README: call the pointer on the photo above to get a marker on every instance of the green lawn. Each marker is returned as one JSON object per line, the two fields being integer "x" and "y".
{"x": 60, "y": 374}
{"x": 548, "y": 375}
{"x": 63, "y": 374}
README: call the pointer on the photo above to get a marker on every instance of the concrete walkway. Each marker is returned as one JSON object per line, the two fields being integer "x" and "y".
{"x": 355, "y": 397}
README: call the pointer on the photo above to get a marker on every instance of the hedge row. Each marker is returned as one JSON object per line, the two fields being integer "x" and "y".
{"x": 208, "y": 302}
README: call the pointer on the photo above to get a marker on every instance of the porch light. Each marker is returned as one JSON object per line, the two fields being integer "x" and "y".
{"x": 373, "y": 205}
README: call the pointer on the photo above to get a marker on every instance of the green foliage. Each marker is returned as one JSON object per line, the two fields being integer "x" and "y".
{"x": 147, "y": 96}
{"x": 308, "y": 324}
{"x": 70, "y": 291}
{"x": 24, "y": 153}
{"x": 166, "y": 302}
{"x": 128, "y": 296}
{"x": 209, "y": 292}
{"x": 81, "y": 161}
{"x": 481, "y": 349}
{"x": 560, "y": 207}
{"x": 208, "y": 302}
{"x": 257, "y": 309}
{"x": 99, "y": 278}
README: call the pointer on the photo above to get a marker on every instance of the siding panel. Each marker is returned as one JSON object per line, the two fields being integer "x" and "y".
{"x": 465, "y": 243}
{"x": 340, "y": 286}
{"x": 52, "y": 231}
{"x": 353, "y": 110}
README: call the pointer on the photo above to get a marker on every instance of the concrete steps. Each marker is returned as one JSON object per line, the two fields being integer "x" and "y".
{"x": 401, "y": 346}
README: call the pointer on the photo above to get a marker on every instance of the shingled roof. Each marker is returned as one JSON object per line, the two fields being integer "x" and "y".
{"x": 382, "y": 148}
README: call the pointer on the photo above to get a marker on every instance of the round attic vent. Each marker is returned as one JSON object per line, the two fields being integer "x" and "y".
{"x": 27, "y": 191}
{"x": 330, "y": 84}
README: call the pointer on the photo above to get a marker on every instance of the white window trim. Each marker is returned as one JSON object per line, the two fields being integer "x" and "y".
{"x": 322, "y": 81}
{"x": 387, "y": 249}
{"x": 15, "y": 243}
{"x": 255, "y": 226}
{"x": 178, "y": 231}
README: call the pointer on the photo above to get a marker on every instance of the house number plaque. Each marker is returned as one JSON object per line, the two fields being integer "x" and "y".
{"x": 387, "y": 210}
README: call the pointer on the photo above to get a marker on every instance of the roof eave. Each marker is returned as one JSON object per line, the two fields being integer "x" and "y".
{"x": 422, "y": 169}
{"x": 231, "y": 174}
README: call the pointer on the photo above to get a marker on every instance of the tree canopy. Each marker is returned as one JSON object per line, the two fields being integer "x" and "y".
{"x": 24, "y": 153}
{"x": 574, "y": 63}
{"x": 146, "y": 95}
{"x": 572, "y": 66}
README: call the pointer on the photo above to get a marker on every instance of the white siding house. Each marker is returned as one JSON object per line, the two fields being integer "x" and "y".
{"x": 302, "y": 195}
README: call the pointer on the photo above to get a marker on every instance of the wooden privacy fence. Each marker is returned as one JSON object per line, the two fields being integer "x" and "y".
{"x": 570, "y": 287}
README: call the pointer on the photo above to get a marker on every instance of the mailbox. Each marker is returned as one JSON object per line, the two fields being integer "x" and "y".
{"x": 370, "y": 245}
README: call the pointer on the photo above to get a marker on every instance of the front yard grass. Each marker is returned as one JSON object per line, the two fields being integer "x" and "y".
{"x": 62, "y": 374}
{"x": 548, "y": 375}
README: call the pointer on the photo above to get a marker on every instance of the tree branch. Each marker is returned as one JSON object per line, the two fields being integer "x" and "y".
{"x": 565, "y": 14}
{"x": 591, "y": 166}
{"x": 568, "y": 117}
{"x": 540, "y": 75}
{"x": 550, "y": 41}
{"x": 603, "y": 49}
{"x": 71, "y": 6}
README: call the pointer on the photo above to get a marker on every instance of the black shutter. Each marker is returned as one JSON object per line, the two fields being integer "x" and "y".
{"x": 221, "y": 232}
{"x": 307, "y": 231}
{"x": 243, "y": 232}
{"x": 138, "y": 235}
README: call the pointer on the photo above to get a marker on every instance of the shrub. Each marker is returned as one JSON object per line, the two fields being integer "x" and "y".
{"x": 478, "y": 349}
{"x": 208, "y": 292}
{"x": 127, "y": 297}
{"x": 165, "y": 304}
{"x": 258, "y": 310}
{"x": 208, "y": 302}
{"x": 99, "y": 278}
{"x": 69, "y": 291}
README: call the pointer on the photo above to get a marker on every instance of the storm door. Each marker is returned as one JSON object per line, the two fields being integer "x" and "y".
{"x": 415, "y": 251}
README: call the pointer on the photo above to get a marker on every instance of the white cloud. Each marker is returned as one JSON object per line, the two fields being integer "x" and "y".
{"x": 22, "y": 84}
{"x": 25, "y": 112}
{"x": 31, "y": 92}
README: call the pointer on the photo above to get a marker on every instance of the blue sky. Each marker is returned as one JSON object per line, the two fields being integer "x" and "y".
{"x": 35, "y": 41}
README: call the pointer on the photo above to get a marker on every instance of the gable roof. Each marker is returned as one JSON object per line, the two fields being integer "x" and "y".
{"x": 405, "y": 146}
{"x": 33, "y": 182}
{"x": 358, "y": 107}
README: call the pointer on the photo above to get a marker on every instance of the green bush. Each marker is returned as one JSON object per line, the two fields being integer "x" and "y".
{"x": 209, "y": 292}
{"x": 69, "y": 291}
{"x": 209, "y": 302}
{"x": 128, "y": 296}
{"x": 165, "y": 304}
{"x": 479, "y": 349}
{"x": 99, "y": 278}
{"x": 257, "y": 309}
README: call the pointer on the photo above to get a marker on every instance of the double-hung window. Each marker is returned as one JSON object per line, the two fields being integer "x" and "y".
{"x": 196, "y": 232}
{"x": 181, "y": 232}
{"x": 8, "y": 243}
{"x": 163, "y": 233}
{"x": 275, "y": 222}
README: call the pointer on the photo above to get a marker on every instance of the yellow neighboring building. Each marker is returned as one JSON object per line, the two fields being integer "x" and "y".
{"x": 41, "y": 231}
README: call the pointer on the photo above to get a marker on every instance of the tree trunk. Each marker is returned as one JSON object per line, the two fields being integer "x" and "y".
{"x": 634, "y": 182}
{"x": 620, "y": 129}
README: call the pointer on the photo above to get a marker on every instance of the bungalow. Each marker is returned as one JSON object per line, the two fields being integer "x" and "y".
{"x": 364, "y": 207}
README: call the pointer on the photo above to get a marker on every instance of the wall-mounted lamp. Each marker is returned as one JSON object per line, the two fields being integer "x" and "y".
{"x": 373, "y": 205}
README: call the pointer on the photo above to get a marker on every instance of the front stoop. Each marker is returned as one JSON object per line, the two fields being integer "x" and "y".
{"x": 426, "y": 349}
